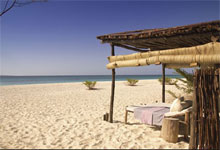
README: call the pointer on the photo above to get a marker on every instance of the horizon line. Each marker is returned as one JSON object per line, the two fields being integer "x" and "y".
{"x": 92, "y": 75}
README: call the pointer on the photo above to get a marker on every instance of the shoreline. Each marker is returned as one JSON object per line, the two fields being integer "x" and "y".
{"x": 44, "y": 80}
{"x": 82, "y": 75}
{"x": 69, "y": 83}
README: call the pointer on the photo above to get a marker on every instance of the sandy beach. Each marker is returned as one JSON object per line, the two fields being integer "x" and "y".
{"x": 67, "y": 115}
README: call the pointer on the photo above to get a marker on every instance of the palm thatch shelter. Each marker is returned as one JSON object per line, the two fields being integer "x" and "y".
{"x": 195, "y": 45}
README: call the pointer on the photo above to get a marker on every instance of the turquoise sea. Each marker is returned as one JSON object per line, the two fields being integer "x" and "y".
{"x": 20, "y": 80}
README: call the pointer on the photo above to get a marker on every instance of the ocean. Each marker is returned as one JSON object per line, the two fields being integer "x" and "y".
{"x": 21, "y": 80}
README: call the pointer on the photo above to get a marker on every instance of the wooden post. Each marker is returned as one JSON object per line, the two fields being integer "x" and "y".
{"x": 126, "y": 116}
{"x": 186, "y": 125}
{"x": 193, "y": 119}
{"x": 163, "y": 86}
{"x": 113, "y": 88}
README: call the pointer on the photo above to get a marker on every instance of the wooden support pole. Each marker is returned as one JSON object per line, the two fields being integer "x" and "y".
{"x": 193, "y": 119}
{"x": 163, "y": 86}
{"x": 187, "y": 114}
{"x": 126, "y": 116}
{"x": 113, "y": 88}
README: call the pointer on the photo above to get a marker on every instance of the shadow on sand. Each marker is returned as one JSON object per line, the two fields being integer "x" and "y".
{"x": 95, "y": 89}
{"x": 155, "y": 128}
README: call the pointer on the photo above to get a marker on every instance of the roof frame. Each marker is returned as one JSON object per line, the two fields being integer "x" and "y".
{"x": 165, "y": 38}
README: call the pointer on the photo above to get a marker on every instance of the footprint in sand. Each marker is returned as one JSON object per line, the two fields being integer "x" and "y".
{"x": 140, "y": 137}
{"x": 124, "y": 145}
{"x": 98, "y": 136}
{"x": 97, "y": 145}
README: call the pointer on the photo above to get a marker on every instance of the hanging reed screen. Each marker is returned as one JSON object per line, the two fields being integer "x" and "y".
{"x": 207, "y": 129}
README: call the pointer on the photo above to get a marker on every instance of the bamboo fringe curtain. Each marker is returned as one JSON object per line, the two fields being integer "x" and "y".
{"x": 207, "y": 54}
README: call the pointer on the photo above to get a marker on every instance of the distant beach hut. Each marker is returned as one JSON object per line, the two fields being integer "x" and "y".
{"x": 195, "y": 45}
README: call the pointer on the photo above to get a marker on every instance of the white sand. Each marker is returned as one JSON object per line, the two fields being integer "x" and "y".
{"x": 67, "y": 115}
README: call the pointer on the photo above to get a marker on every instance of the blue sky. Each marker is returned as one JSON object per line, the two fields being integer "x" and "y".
{"x": 59, "y": 37}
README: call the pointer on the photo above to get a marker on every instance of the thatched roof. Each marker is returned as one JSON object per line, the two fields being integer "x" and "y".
{"x": 165, "y": 38}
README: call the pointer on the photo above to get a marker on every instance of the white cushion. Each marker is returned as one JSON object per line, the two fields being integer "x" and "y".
{"x": 176, "y": 106}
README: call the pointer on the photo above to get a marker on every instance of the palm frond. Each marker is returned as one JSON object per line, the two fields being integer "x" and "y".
{"x": 171, "y": 93}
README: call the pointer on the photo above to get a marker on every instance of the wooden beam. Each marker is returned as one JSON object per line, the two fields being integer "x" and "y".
{"x": 130, "y": 48}
{"x": 163, "y": 86}
{"x": 157, "y": 63}
{"x": 113, "y": 88}
{"x": 195, "y": 64}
